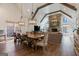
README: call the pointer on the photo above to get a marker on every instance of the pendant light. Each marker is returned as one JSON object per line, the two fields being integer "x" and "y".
{"x": 32, "y": 21}
{"x": 21, "y": 22}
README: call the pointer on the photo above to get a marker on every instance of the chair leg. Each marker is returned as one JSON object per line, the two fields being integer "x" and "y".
{"x": 44, "y": 48}
{"x": 35, "y": 47}
{"x": 14, "y": 40}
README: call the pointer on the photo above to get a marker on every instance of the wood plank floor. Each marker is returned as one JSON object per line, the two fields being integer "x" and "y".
{"x": 65, "y": 48}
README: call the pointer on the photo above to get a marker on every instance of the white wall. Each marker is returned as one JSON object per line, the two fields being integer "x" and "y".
{"x": 8, "y": 12}
{"x": 12, "y": 12}
{"x": 26, "y": 12}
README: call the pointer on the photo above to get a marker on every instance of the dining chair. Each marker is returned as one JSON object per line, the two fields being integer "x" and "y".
{"x": 18, "y": 37}
{"x": 27, "y": 41}
{"x": 24, "y": 40}
{"x": 43, "y": 41}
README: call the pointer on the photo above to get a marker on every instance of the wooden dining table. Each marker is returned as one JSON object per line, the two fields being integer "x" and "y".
{"x": 34, "y": 37}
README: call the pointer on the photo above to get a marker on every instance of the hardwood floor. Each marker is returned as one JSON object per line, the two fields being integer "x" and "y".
{"x": 64, "y": 48}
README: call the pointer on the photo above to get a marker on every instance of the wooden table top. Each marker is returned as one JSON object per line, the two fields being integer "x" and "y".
{"x": 35, "y": 36}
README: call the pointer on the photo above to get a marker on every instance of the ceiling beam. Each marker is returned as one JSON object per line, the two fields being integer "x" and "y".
{"x": 48, "y": 14}
{"x": 65, "y": 13}
{"x": 69, "y": 6}
{"x": 65, "y": 4}
{"x": 55, "y": 12}
{"x": 40, "y": 8}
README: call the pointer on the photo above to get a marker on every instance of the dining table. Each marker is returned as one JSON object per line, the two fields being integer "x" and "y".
{"x": 35, "y": 37}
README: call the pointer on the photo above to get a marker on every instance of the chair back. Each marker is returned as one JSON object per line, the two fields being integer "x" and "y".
{"x": 46, "y": 38}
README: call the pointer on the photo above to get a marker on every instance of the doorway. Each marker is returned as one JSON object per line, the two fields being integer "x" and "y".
{"x": 10, "y": 30}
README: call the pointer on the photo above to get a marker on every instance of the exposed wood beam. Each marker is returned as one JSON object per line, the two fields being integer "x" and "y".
{"x": 43, "y": 17}
{"x": 41, "y": 8}
{"x": 48, "y": 14}
{"x": 69, "y": 6}
{"x": 45, "y": 5}
{"x": 65, "y": 13}
{"x": 65, "y": 4}
{"x": 55, "y": 12}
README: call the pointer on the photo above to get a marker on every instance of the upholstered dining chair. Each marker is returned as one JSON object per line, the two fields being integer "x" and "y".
{"x": 43, "y": 42}
{"x": 24, "y": 40}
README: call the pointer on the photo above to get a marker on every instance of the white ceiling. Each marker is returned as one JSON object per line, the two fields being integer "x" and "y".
{"x": 27, "y": 8}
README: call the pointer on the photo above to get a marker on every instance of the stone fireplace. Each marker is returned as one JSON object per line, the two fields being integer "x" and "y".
{"x": 54, "y": 22}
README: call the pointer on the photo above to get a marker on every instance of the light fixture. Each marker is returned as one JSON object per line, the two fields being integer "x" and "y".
{"x": 21, "y": 23}
{"x": 32, "y": 21}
